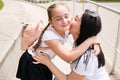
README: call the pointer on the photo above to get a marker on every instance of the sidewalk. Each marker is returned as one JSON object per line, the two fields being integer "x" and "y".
{"x": 10, "y": 19}
{"x": 11, "y": 16}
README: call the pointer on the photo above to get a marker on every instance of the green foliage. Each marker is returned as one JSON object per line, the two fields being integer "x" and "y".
{"x": 1, "y": 4}
{"x": 45, "y": 1}
{"x": 108, "y": 0}
{"x": 103, "y": 0}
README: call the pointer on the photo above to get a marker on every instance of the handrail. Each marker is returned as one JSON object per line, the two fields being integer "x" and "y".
{"x": 116, "y": 49}
{"x": 118, "y": 32}
{"x": 106, "y": 7}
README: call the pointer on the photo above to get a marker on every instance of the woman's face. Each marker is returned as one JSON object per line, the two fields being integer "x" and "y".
{"x": 75, "y": 25}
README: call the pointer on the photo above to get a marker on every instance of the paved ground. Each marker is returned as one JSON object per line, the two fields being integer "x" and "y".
{"x": 11, "y": 16}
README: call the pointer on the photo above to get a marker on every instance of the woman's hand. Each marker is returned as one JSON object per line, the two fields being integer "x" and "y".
{"x": 41, "y": 58}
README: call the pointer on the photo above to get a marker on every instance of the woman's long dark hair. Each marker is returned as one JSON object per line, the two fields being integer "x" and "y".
{"x": 91, "y": 26}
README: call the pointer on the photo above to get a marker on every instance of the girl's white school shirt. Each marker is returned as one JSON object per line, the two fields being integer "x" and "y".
{"x": 50, "y": 34}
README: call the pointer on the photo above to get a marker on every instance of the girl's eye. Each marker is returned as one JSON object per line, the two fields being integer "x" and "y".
{"x": 66, "y": 17}
{"x": 58, "y": 19}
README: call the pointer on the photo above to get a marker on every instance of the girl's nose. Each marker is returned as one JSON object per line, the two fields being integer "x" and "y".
{"x": 64, "y": 20}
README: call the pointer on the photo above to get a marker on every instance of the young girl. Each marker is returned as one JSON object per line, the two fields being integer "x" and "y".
{"x": 51, "y": 42}
{"x": 87, "y": 66}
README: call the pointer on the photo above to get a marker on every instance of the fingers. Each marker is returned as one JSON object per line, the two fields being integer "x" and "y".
{"x": 44, "y": 54}
{"x": 36, "y": 55}
{"x": 36, "y": 62}
{"x": 96, "y": 50}
{"x": 39, "y": 54}
{"x": 35, "y": 58}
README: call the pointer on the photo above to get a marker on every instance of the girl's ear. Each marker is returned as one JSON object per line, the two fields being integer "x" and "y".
{"x": 50, "y": 21}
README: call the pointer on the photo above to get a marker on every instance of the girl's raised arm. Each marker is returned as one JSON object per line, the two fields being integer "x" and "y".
{"x": 67, "y": 55}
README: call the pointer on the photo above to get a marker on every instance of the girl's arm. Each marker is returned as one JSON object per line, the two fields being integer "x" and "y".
{"x": 67, "y": 55}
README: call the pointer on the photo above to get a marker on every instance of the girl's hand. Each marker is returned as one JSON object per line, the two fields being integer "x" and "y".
{"x": 95, "y": 45}
{"x": 96, "y": 49}
{"x": 41, "y": 58}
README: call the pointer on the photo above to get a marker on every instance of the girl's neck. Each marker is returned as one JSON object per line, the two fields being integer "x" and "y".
{"x": 75, "y": 36}
{"x": 62, "y": 34}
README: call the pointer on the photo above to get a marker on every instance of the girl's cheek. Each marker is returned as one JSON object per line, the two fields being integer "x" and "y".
{"x": 70, "y": 21}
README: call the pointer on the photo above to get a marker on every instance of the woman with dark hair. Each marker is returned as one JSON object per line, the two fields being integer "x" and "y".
{"x": 87, "y": 66}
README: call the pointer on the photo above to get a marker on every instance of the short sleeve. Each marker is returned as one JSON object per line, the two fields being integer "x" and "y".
{"x": 49, "y": 35}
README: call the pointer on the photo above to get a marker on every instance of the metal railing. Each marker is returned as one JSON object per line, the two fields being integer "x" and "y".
{"x": 110, "y": 34}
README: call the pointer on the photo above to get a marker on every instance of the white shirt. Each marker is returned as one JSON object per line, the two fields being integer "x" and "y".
{"x": 88, "y": 66}
{"x": 50, "y": 34}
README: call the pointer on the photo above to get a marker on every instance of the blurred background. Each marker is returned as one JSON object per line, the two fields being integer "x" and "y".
{"x": 14, "y": 12}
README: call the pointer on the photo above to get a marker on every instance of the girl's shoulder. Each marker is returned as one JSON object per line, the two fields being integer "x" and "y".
{"x": 50, "y": 34}
{"x": 51, "y": 29}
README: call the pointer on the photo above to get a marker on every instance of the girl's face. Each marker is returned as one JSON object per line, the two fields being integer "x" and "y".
{"x": 61, "y": 19}
{"x": 75, "y": 25}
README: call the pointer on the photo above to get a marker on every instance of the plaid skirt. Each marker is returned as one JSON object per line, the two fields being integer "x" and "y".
{"x": 29, "y": 71}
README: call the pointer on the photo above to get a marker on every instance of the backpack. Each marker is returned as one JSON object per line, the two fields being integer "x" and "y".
{"x": 30, "y": 34}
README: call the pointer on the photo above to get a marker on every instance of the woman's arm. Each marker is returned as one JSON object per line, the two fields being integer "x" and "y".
{"x": 67, "y": 55}
{"x": 44, "y": 59}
